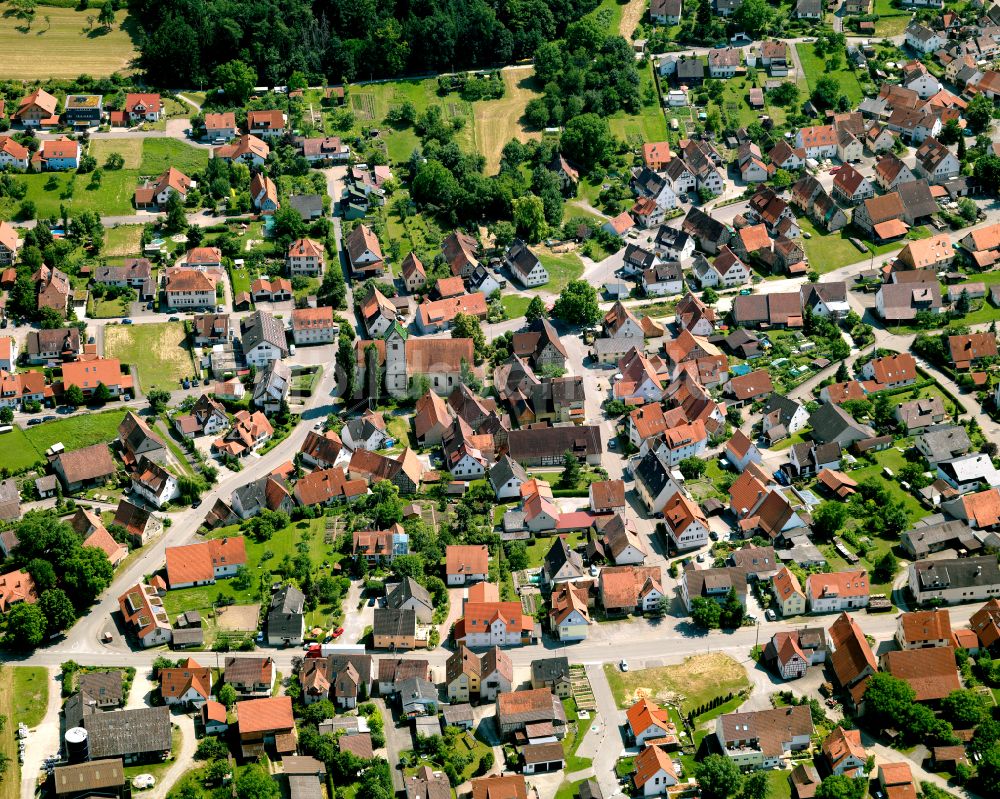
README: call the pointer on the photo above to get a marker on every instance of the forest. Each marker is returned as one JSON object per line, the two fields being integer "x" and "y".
{"x": 182, "y": 42}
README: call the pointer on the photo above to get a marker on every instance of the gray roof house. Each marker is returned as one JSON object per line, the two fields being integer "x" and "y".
{"x": 271, "y": 385}
{"x": 411, "y": 595}
{"x": 943, "y": 442}
{"x": 561, "y": 563}
{"x": 286, "y": 620}
{"x": 418, "y": 697}
{"x": 832, "y": 423}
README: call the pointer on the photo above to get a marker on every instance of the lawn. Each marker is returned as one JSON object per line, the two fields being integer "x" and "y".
{"x": 815, "y": 68}
{"x": 892, "y": 21}
{"x": 160, "y": 154}
{"x": 109, "y": 309}
{"x": 31, "y": 694}
{"x": 499, "y": 121}
{"x": 129, "y": 149}
{"x": 77, "y": 431}
{"x": 239, "y": 279}
{"x": 562, "y": 268}
{"x": 10, "y": 786}
{"x": 694, "y": 682}
{"x": 577, "y": 730}
{"x": 18, "y": 452}
{"x": 539, "y": 547}
{"x": 123, "y": 241}
{"x": 649, "y": 124}
{"x": 400, "y": 430}
{"x": 788, "y": 443}
{"x": 828, "y": 251}
{"x": 158, "y": 351}
{"x": 50, "y": 190}
{"x": 515, "y": 305}
{"x": 894, "y": 459}
{"x": 58, "y": 43}
{"x": 173, "y": 446}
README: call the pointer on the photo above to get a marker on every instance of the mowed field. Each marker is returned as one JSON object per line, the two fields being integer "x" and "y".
{"x": 499, "y": 121}
{"x": 129, "y": 149}
{"x": 58, "y": 43}
{"x": 157, "y": 350}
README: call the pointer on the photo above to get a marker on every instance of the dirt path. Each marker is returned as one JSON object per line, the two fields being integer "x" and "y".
{"x": 499, "y": 121}
{"x": 631, "y": 15}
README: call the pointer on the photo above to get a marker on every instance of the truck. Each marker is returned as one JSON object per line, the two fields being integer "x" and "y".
{"x": 325, "y": 650}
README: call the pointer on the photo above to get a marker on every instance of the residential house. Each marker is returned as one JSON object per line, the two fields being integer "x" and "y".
{"x": 188, "y": 685}
{"x": 205, "y": 562}
{"x": 518, "y": 709}
{"x": 466, "y": 563}
{"x": 486, "y": 624}
{"x": 250, "y": 677}
{"x": 142, "y": 610}
{"x": 764, "y": 739}
{"x": 931, "y": 673}
{"x": 364, "y": 252}
{"x": 833, "y": 592}
{"x": 844, "y": 753}
{"x": 143, "y": 107}
{"x": 524, "y": 265}
{"x": 788, "y": 593}
{"x": 951, "y": 581}
{"x": 83, "y": 467}
{"x": 305, "y": 257}
{"x": 923, "y": 629}
{"x": 185, "y": 289}
{"x": 247, "y": 149}
{"x": 286, "y": 617}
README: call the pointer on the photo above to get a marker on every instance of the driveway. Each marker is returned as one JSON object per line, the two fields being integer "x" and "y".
{"x": 397, "y": 739}
{"x": 183, "y": 760}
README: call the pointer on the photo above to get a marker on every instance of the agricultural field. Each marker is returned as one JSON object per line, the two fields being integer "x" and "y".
{"x": 59, "y": 43}
{"x": 129, "y": 149}
{"x": 696, "y": 681}
{"x": 159, "y": 154}
{"x": 158, "y": 351}
{"x": 499, "y": 121}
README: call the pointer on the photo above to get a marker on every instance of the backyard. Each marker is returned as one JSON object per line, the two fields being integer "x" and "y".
{"x": 50, "y": 190}
{"x": 540, "y": 546}
{"x": 828, "y": 251}
{"x": 562, "y": 268}
{"x": 815, "y": 67}
{"x": 696, "y": 681}
{"x": 268, "y": 558}
{"x": 158, "y": 351}
{"x": 59, "y": 43}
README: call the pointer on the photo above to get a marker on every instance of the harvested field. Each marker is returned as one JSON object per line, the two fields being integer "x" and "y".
{"x": 499, "y": 121}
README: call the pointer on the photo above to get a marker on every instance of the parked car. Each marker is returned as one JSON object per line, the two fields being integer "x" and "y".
{"x": 126, "y": 321}
{"x": 48, "y": 418}
{"x": 338, "y": 632}
{"x": 770, "y": 615}
{"x": 623, "y": 665}
{"x": 33, "y": 422}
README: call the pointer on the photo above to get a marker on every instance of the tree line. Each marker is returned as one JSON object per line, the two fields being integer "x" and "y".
{"x": 183, "y": 42}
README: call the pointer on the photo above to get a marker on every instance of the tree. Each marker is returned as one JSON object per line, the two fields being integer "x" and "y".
{"x": 692, "y": 468}
{"x": 6, "y": 415}
{"x": 826, "y": 93}
{"x": 236, "y": 79}
{"x": 25, "y": 626}
{"x": 107, "y": 16}
{"x": 753, "y": 16}
{"x": 979, "y": 113}
{"x": 587, "y": 140}
{"x": 87, "y": 573}
{"x": 535, "y": 310}
{"x": 963, "y": 304}
{"x": 158, "y": 399}
{"x": 964, "y": 708}
{"x": 227, "y": 696}
{"x": 114, "y": 161}
{"x": 837, "y": 786}
{"x": 373, "y": 374}
{"x": 212, "y": 748}
{"x": 577, "y": 304}
{"x": 102, "y": 393}
{"x": 333, "y": 289}
{"x": 969, "y": 212}
{"x": 176, "y": 221}
{"x": 951, "y": 133}
{"x": 829, "y": 518}
{"x": 988, "y": 771}
{"x": 705, "y": 612}
{"x": 571, "y": 470}
{"x": 732, "y": 612}
{"x": 755, "y": 786}
{"x": 710, "y": 296}
{"x": 345, "y": 367}
{"x": 886, "y": 567}
{"x": 888, "y": 699}
{"x": 255, "y": 783}
{"x": 468, "y": 326}
{"x": 57, "y": 609}
{"x": 718, "y": 776}
{"x": 529, "y": 218}
{"x": 987, "y": 171}
{"x": 74, "y": 396}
